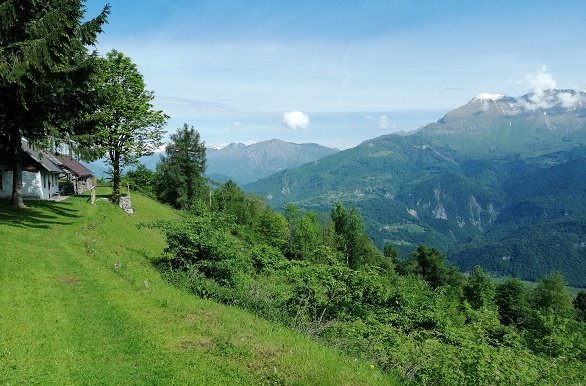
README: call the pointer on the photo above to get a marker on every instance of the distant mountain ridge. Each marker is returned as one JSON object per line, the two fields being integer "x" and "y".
{"x": 246, "y": 163}
{"x": 497, "y": 182}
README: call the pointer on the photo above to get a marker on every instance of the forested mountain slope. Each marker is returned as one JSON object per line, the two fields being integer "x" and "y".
{"x": 498, "y": 182}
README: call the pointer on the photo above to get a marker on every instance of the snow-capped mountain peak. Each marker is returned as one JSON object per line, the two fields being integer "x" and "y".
{"x": 217, "y": 146}
{"x": 485, "y": 96}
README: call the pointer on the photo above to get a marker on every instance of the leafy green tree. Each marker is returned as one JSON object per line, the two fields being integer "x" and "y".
{"x": 230, "y": 199}
{"x": 304, "y": 233}
{"x": 127, "y": 125}
{"x": 349, "y": 227}
{"x": 479, "y": 289}
{"x": 512, "y": 303}
{"x": 390, "y": 251}
{"x": 431, "y": 266}
{"x": 551, "y": 295}
{"x": 273, "y": 229}
{"x": 580, "y": 306}
{"x": 353, "y": 242}
{"x": 180, "y": 177}
{"x": 391, "y": 254}
{"x": 140, "y": 179}
{"x": 45, "y": 71}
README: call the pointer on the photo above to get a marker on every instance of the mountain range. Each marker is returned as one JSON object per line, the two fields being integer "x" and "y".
{"x": 243, "y": 163}
{"x": 498, "y": 182}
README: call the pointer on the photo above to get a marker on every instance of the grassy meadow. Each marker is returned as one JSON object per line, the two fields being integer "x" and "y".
{"x": 81, "y": 303}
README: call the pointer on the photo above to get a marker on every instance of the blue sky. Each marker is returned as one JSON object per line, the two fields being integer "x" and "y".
{"x": 353, "y": 69}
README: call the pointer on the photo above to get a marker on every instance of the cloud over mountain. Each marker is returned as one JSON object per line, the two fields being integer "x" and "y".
{"x": 296, "y": 120}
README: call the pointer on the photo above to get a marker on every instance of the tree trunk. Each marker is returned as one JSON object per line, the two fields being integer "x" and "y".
{"x": 16, "y": 149}
{"x": 116, "y": 178}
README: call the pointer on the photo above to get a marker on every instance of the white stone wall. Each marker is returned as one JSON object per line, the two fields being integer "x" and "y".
{"x": 34, "y": 184}
{"x": 6, "y": 188}
{"x": 49, "y": 185}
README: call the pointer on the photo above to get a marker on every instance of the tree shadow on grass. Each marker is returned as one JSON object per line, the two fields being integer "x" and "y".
{"x": 38, "y": 214}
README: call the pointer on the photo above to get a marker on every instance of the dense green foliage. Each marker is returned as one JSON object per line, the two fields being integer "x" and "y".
{"x": 580, "y": 305}
{"x": 126, "y": 124}
{"x": 140, "y": 179}
{"x": 45, "y": 71}
{"x": 422, "y": 320}
{"x": 179, "y": 177}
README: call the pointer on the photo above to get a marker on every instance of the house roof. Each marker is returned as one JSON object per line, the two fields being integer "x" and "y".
{"x": 44, "y": 160}
{"x": 41, "y": 158}
{"x": 75, "y": 166}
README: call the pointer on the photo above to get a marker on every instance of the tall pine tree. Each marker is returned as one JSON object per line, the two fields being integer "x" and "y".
{"x": 45, "y": 70}
{"x": 179, "y": 179}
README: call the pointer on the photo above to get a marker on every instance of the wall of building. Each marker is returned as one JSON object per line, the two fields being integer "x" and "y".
{"x": 49, "y": 184}
{"x": 39, "y": 185}
{"x": 5, "y": 183}
{"x": 31, "y": 185}
{"x": 83, "y": 184}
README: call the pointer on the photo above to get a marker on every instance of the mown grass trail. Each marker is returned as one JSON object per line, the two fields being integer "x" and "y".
{"x": 81, "y": 303}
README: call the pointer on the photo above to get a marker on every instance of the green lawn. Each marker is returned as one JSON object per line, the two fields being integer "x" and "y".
{"x": 81, "y": 303}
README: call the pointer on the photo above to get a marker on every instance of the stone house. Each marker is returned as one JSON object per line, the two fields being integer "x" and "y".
{"x": 40, "y": 173}
{"x": 81, "y": 177}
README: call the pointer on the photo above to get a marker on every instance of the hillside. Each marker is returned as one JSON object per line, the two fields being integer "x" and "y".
{"x": 80, "y": 302}
{"x": 496, "y": 182}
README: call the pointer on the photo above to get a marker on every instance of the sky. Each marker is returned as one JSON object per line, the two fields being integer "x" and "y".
{"x": 338, "y": 72}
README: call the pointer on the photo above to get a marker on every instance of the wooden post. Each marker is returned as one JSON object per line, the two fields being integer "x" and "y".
{"x": 94, "y": 191}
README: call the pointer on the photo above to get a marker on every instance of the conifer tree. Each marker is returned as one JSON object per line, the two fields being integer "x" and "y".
{"x": 45, "y": 69}
{"x": 179, "y": 179}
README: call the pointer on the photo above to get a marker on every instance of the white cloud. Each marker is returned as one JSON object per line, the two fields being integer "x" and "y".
{"x": 568, "y": 99}
{"x": 382, "y": 120}
{"x": 161, "y": 149}
{"x": 235, "y": 126}
{"x": 296, "y": 120}
{"x": 385, "y": 123}
{"x": 539, "y": 82}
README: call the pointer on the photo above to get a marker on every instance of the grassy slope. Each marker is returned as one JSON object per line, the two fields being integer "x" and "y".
{"x": 81, "y": 303}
